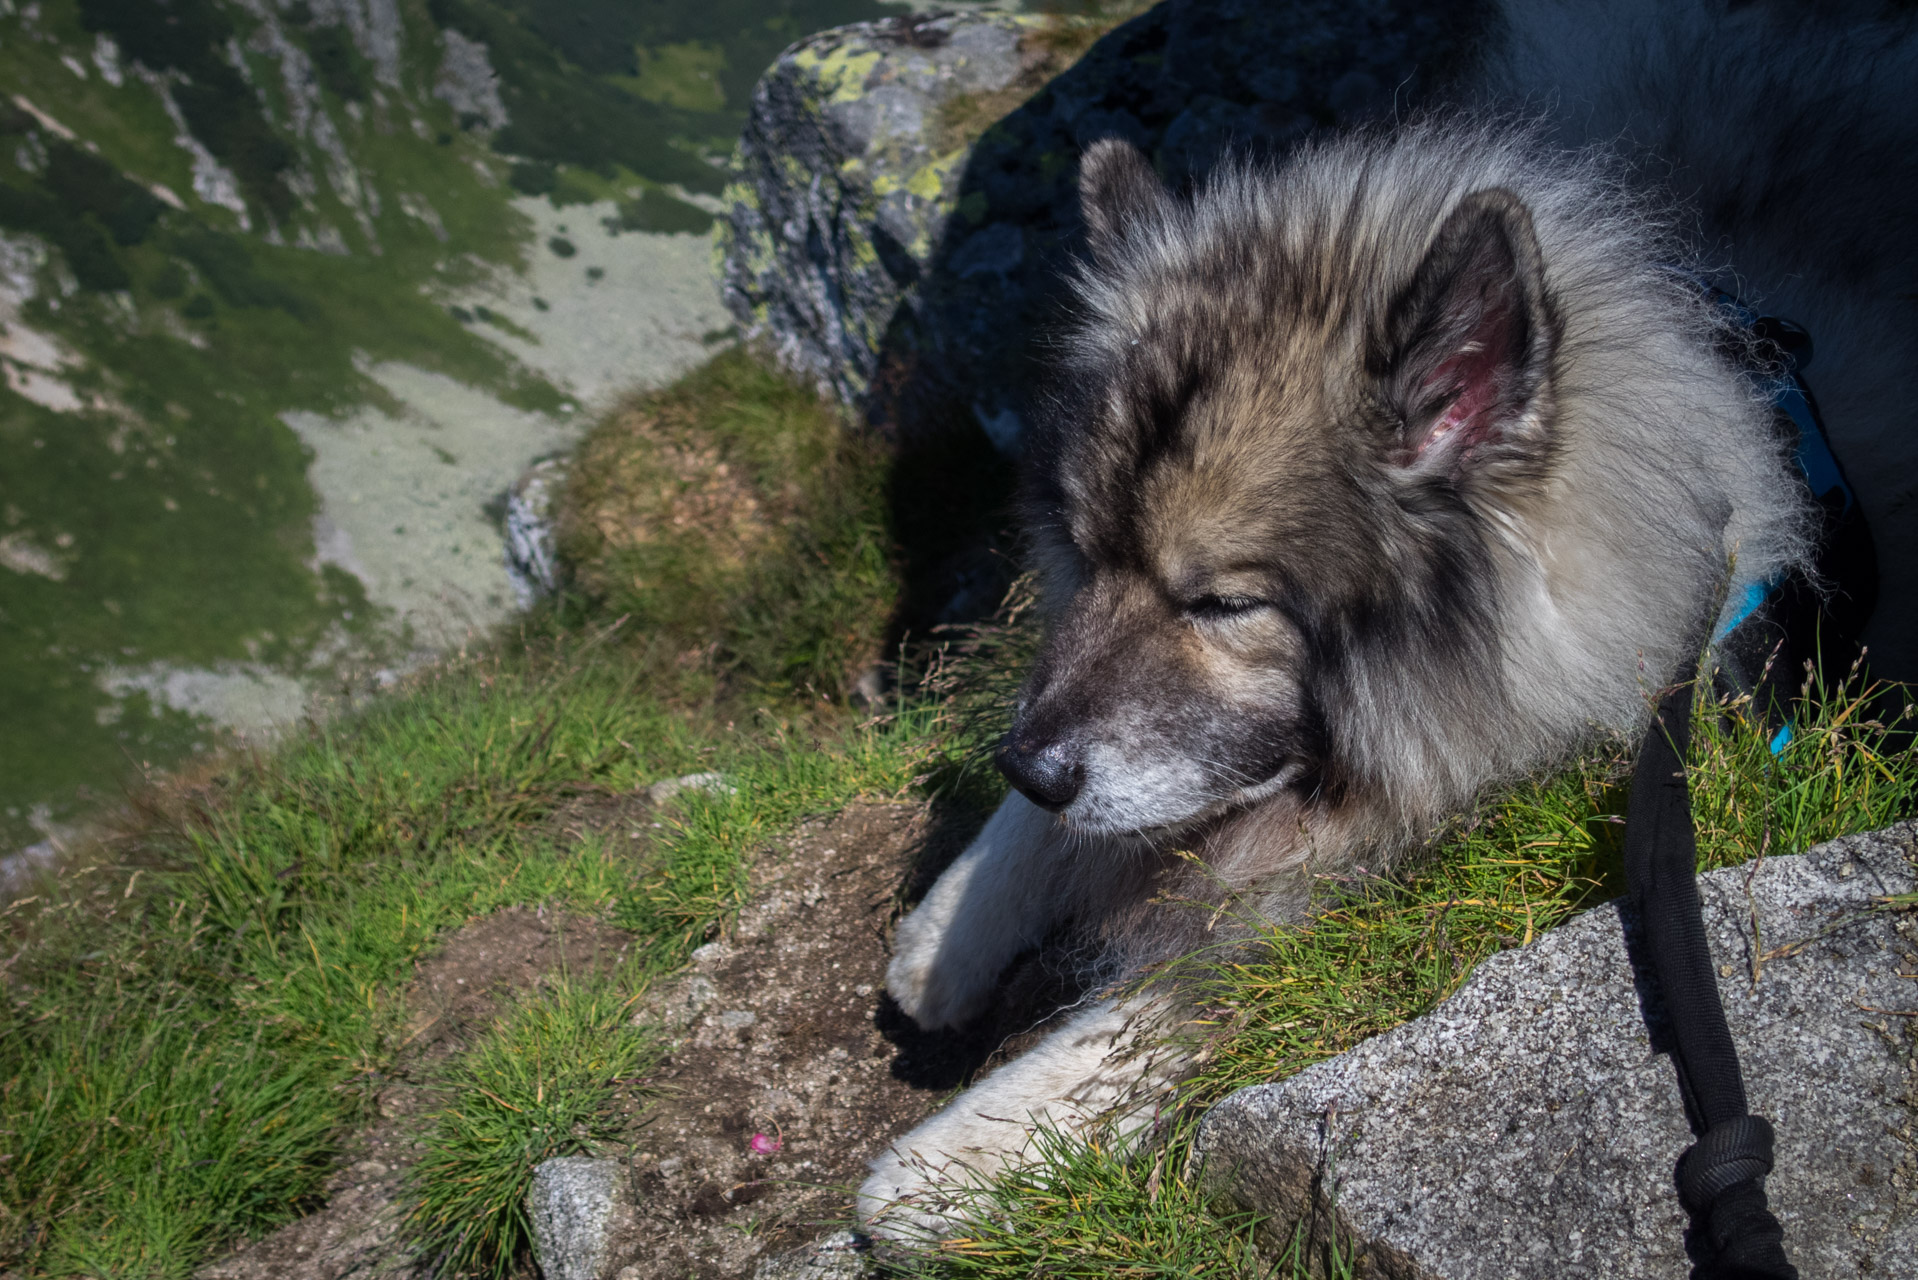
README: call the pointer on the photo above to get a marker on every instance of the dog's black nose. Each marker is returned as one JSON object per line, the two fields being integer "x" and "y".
{"x": 1050, "y": 774}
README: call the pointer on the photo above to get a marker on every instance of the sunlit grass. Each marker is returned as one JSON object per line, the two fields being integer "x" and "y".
{"x": 1104, "y": 1212}
{"x": 740, "y": 522}
{"x": 542, "y": 1082}
{"x": 192, "y": 1030}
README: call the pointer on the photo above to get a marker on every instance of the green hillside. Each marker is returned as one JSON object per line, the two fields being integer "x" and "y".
{"x": 214, "y": 213}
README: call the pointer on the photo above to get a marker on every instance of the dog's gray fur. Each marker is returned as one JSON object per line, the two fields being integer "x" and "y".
{"x": 1407, "y": 467}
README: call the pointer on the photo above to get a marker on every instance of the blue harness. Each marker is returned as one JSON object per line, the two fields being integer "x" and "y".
{"x": 1756, "y": 623}
{"x": 1789, "y": 351}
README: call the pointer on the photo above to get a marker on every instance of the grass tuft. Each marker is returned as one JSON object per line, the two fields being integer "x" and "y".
{"x": 543, "y": 1082}
{"x": 1849, "y": 765}
{"x": 1106, "y": 1212}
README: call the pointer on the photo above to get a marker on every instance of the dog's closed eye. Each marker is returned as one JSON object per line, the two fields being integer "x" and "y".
{"x": 1218, "y": 608}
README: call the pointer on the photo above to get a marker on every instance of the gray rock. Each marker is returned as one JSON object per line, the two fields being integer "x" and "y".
{"x": 850, "y": 173}
{"x": 675, "y": 1005}
{"x": 582, "y": 1215}
{"x": 839, "y": 1256}
{"x": 665, "y": 789}
{"x": 467, "y": 82}
{"x": 532, "y": 506}
{"x": 1528, "y": 1126}
{"x": 908, "y": 187}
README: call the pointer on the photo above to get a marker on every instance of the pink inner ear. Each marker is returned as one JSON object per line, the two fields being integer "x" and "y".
{"x": 1480, "y": 374}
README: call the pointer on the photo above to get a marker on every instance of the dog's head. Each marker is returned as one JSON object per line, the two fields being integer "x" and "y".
{"x": 1261, "y": 501}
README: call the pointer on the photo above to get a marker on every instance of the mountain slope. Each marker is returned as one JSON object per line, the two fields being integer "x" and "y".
{"x": 222, "y": 220}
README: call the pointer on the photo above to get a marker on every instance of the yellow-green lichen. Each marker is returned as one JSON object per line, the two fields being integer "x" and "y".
{"x": 840, "y": 70}
{"x": 794, "y": 170}
{"x": 930, "y": 182}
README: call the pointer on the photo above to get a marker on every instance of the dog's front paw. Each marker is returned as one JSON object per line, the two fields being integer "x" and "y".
{"x": 987, "y": 908}
{"x": 937, "y": 984}
{"x": 925, "y": 1187}
{"x": 905, "y": 1200}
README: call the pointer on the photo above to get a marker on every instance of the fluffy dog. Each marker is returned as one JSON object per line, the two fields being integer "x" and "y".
{"x": 1405, "y": 468}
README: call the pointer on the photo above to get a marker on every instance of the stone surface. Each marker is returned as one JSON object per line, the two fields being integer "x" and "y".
{"x": 1528, "y": 1126}
{"x": 532, "y": 559}
{"x": 666, "y": 788}
{"x": 908, "y": 190}
{"x": 849, "y": 173}
{"x": 581, "y": 1210}
{"x": 839, "y": 1256}
{"x": 356, "y": 1236}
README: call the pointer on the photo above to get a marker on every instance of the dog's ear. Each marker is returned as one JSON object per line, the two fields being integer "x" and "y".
{"x": 1469, "y": 342}
{"x": 1117, "y": 191}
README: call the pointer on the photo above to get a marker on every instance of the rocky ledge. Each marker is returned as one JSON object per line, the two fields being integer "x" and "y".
{"x": 1527, "y": 1127}
{"x": 908, "y": 187}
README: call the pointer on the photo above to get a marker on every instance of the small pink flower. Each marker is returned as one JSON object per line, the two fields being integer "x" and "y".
{"x": 765, "y": 1144}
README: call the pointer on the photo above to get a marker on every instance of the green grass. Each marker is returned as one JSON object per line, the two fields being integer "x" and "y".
{"x": 1385, "y": 949}
{"x": 543, "y": 1082}
{"x": 196, "y": 1024}
{"x": 1082, "y": 1210}
{"x": 1850, "y": 766}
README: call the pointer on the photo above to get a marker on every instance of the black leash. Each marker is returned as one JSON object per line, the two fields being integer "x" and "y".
{"x": 1778, "y": 629}
{"x": 1721, "y": 1177}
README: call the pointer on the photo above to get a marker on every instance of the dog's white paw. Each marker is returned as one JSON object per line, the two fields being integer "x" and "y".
{"x": 1101, "y": 1068}
{"x": 936, "y": 987}
{"x": 918, "y": 1189}
{"x": 986, "y": 909}
{"x": 901, "y": 1200}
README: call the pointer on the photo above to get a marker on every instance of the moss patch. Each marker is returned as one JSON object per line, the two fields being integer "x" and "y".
{"x": 740, "y": 522}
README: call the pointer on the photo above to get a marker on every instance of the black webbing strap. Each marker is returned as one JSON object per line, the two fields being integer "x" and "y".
{"x": 1721, "y": 1177}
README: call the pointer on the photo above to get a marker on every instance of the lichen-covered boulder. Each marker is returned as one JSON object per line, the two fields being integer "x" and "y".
{"x": 851, "y": 166}
{"x": 907, "y": 191}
